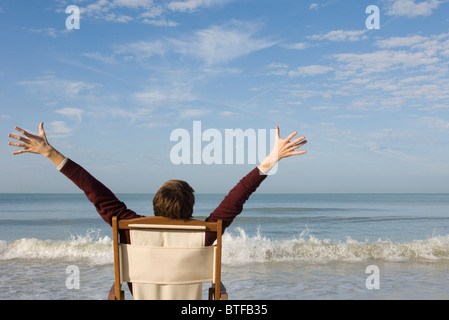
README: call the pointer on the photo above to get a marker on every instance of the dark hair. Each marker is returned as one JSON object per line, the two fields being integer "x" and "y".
{"x": 174, "y": 200}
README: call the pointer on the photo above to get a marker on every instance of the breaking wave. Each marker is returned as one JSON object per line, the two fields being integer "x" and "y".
{"x": 98, "y": 250}
{"x": 239, "y": 248}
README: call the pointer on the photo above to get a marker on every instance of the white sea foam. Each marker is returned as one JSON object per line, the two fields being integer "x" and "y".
{"x": 96, "y": 249}
{"x": 239, "y": 248}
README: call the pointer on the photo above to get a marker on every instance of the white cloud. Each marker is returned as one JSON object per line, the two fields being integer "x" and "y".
{"x": 381, "y": 61}
{"x": 160, "y": 22}
{"x": 395, "y": 42}
{"x": 297, "y": 46}
{"x": 230, "y": 114}
{"x": 278, "y": 69}
{"x": 311, "y": 70}
{"x": 58, "y": 129}
{"x": 192, "y": 113}
{"x": 132, "y": 3}
{"x": 411, "y": 8}
{"x": 153, "y": 12}
{"x": 432, "y": 45}
{"x": 49, "y": 84}
{"x": 396, "y": 73}
{"x": 142, "y": 49}
{"x": 152, "y": 97}
{"x": 99, "y": 57}
{"x": 340, "y": 35}
{"x": 95, "y": 9}
{"x": 71, "y": 112}
{"x": 437, "y": 124}
{"x": 192, "y": 5}
{"x": 47, "y": 31}
{"x": 109, "y": 10}
{"x": 221, "y": 44}
{"x": 172, "y": 93}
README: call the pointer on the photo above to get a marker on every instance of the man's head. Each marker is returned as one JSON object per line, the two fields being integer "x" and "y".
{"x": 174, "y": 200}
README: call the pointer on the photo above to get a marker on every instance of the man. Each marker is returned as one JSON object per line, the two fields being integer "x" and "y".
{"x": 174, "y": 199}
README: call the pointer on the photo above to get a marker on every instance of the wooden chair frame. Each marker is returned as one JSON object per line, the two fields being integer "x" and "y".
{"x": 217, "y": 291}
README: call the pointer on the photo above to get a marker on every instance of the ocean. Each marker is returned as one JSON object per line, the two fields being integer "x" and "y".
{"x": 281, "y": 247}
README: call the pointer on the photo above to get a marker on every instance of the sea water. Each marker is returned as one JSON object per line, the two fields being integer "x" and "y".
{"x": 282, "y": 246}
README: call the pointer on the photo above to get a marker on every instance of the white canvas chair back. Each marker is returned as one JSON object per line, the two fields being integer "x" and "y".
{"x": 168, "y": 261}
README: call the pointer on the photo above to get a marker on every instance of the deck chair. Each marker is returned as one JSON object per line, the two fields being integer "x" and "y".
{"x": 167, "y": 259}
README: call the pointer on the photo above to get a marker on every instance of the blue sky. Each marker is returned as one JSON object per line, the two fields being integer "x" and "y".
{"x": 372, "y": 103}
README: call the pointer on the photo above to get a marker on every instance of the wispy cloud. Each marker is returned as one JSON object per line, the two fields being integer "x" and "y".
{"x": 419, "y": 53}
{"x": 100, "y": 57}
{"x": 58, "y": 129}
{"x": 112, "y": 10}
{"x": 170, "y": 95}
{"x": 142, "y": 49}
{"x": 431, "y": 45}
{"x": 132, "y": 3}
{"x": 221, "y": 44}
{"x": 297, "y": 46}
{"x": 103, "y": 9}
{"x": 48, "y": 31}
{"x": 437, "y": 124}
{"x": 412, "y": 8}
{"x": 390, "y": 75}
{"x": 160, "y": 22}
{"x": 154, "y": 12}
{"x": 71, "y": 112}
{"x": 340, "y": 35}
{"x": 311, "y": 70}
{"x": 192, "y": 5}
{"x": 276, "y": 68}
{"x": 214, "y": 45}
{"x": 193, "y": 113}
{"x": 49, "y": 83}
{"x": 382, "y": 61}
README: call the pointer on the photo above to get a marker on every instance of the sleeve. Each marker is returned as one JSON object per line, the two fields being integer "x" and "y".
{"x": 232, "y": 204}
{"x": 105, "y": 202}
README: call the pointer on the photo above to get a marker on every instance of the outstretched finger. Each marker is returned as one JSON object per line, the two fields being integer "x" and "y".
{"x": 20, "y": 151}
{"x": 17, "y": 137}
{"x": 299, "y": 141}
{"x": 298, "y": 145}
{"x": 16, "y": 144}
{"x": 25, "y": 133}
{"x": 291, "y": 135}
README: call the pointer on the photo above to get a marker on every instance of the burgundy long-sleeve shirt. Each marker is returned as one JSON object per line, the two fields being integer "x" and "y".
{"x": 108, "y": 205}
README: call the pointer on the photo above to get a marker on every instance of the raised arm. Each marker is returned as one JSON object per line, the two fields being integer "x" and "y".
{"x": 36, "y": 144}
{"x": 232, "y": 204}
{"x": 102, "y": 198}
